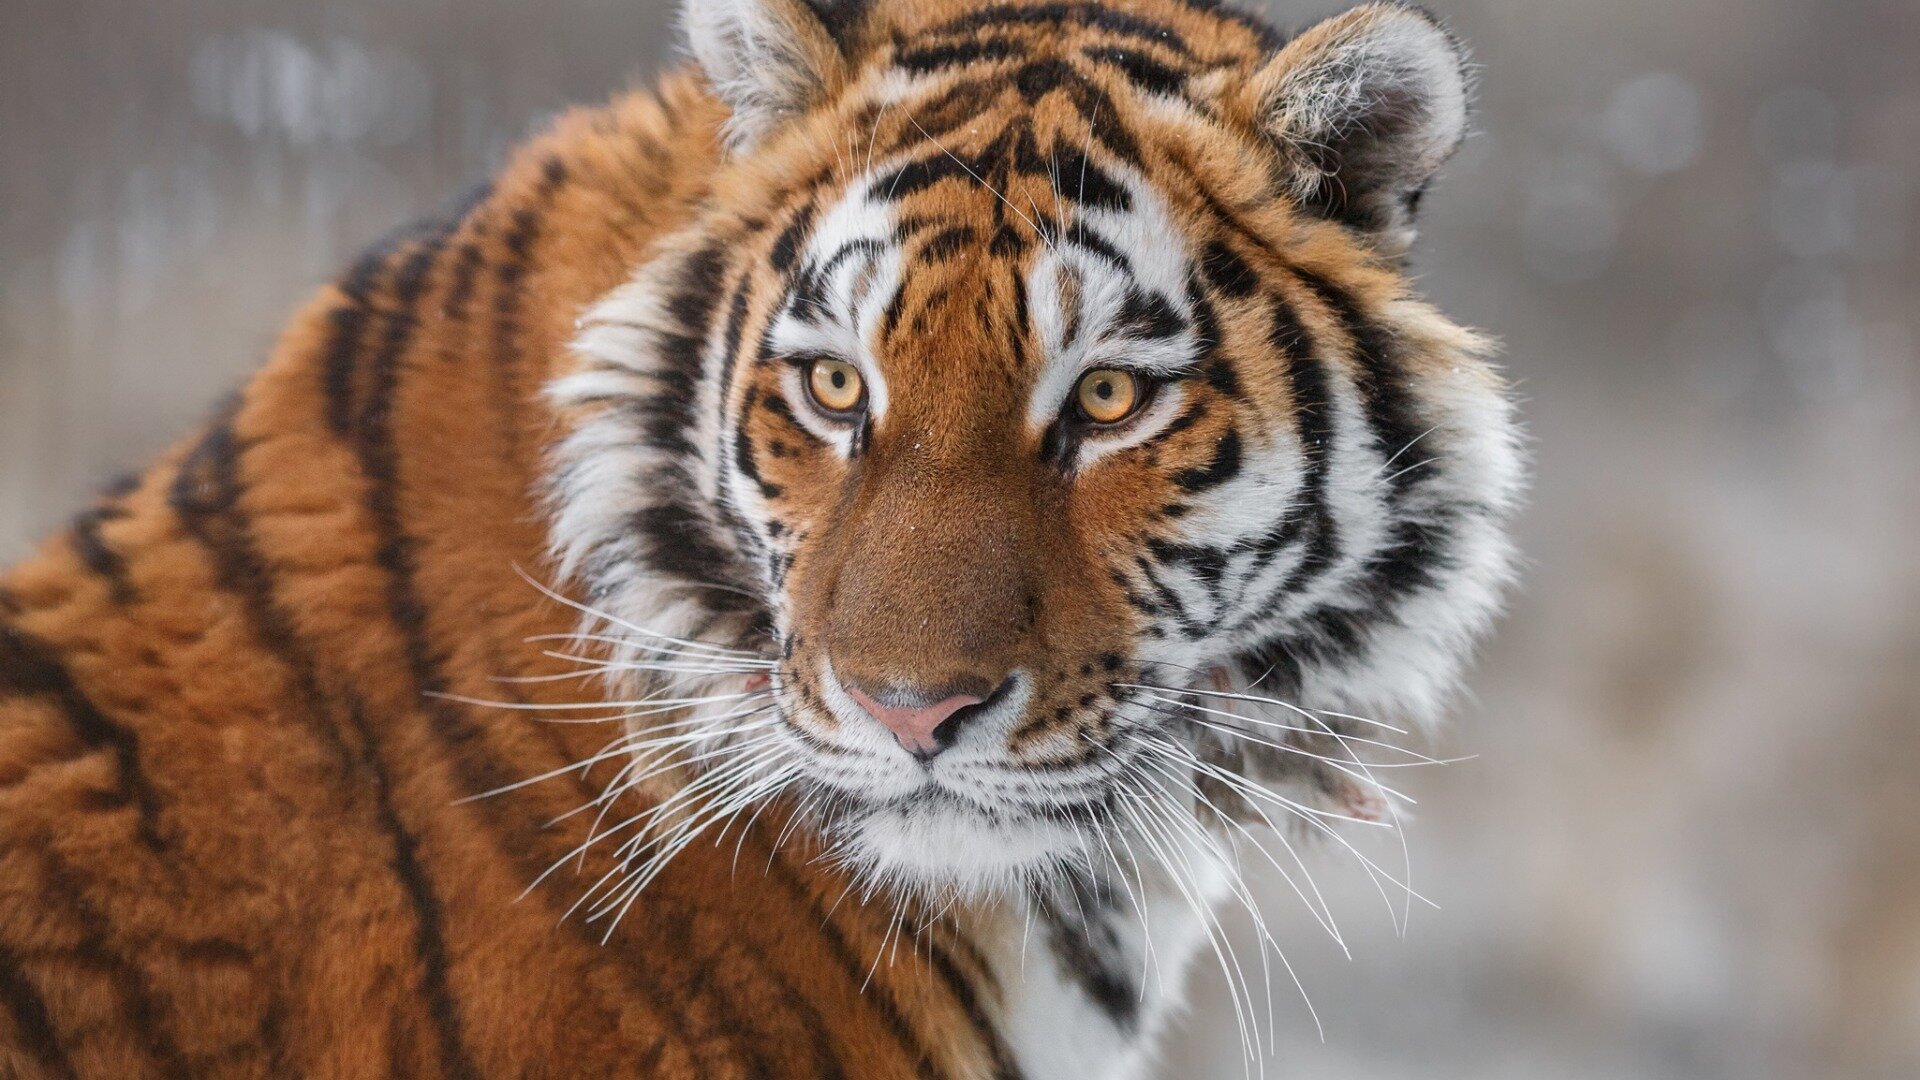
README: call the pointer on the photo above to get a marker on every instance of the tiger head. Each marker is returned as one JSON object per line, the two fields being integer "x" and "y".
{"x": 1036, "y": 386}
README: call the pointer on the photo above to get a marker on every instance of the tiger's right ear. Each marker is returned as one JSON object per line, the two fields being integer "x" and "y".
{"x": 770, "y": 59}
{"x": 1364, "y": 108}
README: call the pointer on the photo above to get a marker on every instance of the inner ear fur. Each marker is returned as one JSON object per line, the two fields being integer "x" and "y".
{"x": 1364, "y": 108}
{"x": 771, "y": 59}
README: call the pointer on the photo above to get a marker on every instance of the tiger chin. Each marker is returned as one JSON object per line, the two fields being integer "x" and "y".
{"x": 964, "y": 477}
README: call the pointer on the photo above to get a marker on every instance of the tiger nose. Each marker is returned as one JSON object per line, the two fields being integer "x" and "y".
{"x": 922, "y": 727}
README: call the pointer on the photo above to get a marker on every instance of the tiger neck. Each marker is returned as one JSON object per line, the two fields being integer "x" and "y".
{"x": 1090, "y": 975}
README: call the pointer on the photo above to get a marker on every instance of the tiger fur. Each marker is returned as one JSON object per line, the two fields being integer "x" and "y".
{"x": 267, "y": 712}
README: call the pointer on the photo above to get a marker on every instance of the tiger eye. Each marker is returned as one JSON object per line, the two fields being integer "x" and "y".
{"x": 1108, "y": 395}
{"x": 835, "y": 385}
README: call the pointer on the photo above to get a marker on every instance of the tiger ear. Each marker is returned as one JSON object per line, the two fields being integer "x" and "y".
{"x": 770, "y": 59}
{"x": 1365, "y": 108}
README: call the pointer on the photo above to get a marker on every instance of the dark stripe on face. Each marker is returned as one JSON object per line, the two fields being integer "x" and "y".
{"x": 1118, "y": 23}
{"x": 958, "y": 105}
{"x": 1103, "y": 121}
{"x": 840, "y": 18}
{"x": 1091, "y": 185}
{"x": 1310, "y": 520}
{"x": 743, "y": 451}
{"x": 958, "y": 54}
{"x": 1390, "y": 403}
{"x": 1150, "y": 316}
{"x": 1313, "y": 406}
{"x": 730, "y": 339}
{"x": 1078, "y": 235}
{"x": 1416, "y": 550}
{"x": 786, "y": 247}
{"x": 31, "y": 667}
{"x": 677, "y": 533}
{"x": 918, "y": 176}
{"x": 668, "y": 415}
{"x": 1146, "y": 73}
{"x": 1224, "y": 466}
{"x": 1227, "y": 272}
{"x": 1417, "y": 544}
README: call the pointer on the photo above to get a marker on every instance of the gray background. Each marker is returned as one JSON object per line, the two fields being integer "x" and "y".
{"x": 1690, "y": 843}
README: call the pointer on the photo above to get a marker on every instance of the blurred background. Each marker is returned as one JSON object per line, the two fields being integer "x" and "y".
{"x": 1690, "y": 843}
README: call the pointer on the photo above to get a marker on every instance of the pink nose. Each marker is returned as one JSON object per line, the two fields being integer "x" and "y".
{"x": 913, "y": 725}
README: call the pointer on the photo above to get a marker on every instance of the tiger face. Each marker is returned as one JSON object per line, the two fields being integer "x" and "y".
{"x": 1038, "y": 385}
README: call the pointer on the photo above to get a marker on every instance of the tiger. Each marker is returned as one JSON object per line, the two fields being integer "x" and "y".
{"x": 829, "y": 565}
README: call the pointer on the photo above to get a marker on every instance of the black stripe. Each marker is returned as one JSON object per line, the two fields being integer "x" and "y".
{"x": 1418, "y": 543}
{"x": 138, "y": 1005}
{"x": 462, "y": 740}
{"x": 1222, "y": 467}
{"x": 341, "y": 354}
{"x": 1416, "y": 550}
{"x": 1313, "y": 407}
{"x": 916, "y": 176}
{"x": 1148, "y": 315}
{"x": 379, "y": 460}
{"x": 840, "y": 18}
{"x": 509, "y": 277}
{"x": 207, "y": 497}
{"x": 958, "y": 54}
{"x": 1083, "y": 940}
{"x": 1004, "y": 1065}
{"x": 1390, "y": 403}
{"x": 1092, "y": 185}
{"x": 213, "y": 513}
{"x": 97, "y": 555}
{"x": 1097, "y": 108}
{"x": 1080, "y": 236}
{"x": 31, "y": 1021}
{"x": 1313, "y": 411}
{"x": 947, "y": 243}
{"x": 378, "y": 455}
{"x": 853, "y": 968}
{"x": 786, "y": 247}
{"x": 1226, "y": 271}
{"x": 31, "y": 667}
{"x": 1119, "y": 23}
{"x": 1146, "y": 73}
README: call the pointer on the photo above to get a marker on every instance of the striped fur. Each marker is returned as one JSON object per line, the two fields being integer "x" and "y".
{"x": 245, "y": 700}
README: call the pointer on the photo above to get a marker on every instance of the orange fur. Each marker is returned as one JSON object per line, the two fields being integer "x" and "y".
{"x": 229, "y": 818}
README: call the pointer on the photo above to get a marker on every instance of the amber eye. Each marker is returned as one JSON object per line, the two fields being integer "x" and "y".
{"x": 1108, "y": 395}
{"x": 835, "y": 384}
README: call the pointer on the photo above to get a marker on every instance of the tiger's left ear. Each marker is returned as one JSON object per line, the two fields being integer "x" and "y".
{"x": 1365, "y": 108}
{"x": 770, "y": 59}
